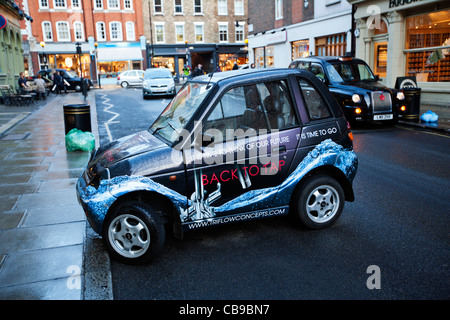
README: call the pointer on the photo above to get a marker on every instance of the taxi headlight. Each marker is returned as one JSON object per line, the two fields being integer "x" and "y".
{"x": 356, "y": 98}
{"x": 400, "y": 95}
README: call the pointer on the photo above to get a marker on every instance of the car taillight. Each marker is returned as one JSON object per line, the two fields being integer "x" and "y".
{"x": 118, "y": 78}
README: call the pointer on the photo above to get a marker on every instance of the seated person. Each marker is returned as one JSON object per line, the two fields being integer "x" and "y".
{"x": 40, "y": 83}
{"x": 22, "y": 82}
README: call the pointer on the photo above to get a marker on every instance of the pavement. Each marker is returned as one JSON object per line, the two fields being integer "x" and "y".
{"x": 47, "y": 249}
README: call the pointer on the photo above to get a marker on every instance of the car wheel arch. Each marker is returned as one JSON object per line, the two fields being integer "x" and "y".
{"x": 161, "y": 204}
{"x": 334, "y": 173}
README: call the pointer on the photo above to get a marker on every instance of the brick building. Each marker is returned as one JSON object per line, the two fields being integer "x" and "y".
{"x": 210, "y": 32}
{"x": 283, "y": 30}
{"x": 116, "y": 26}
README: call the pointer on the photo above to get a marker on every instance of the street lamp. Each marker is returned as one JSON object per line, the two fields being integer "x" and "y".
{"x": 42, "y": 43}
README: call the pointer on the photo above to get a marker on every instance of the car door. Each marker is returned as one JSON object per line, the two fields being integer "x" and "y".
{"x": 249, "y": 140}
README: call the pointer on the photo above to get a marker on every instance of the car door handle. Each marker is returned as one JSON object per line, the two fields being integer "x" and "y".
{"x": 279, "y": 149}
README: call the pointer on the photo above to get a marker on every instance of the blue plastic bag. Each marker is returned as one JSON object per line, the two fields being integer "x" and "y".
{"x": 429, "y": 116}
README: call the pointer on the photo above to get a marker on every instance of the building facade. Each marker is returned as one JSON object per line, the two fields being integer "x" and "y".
{"x": 407, "y": 38}
{"x": 89, "y": 37}
{"x": 284, "y": 30}
{"x": 191, "y": 32}
{"x": 11, "y": 57}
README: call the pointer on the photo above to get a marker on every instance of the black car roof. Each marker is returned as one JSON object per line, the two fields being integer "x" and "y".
{"x": 246, "y": 74}
{"x": 328, "y": 59}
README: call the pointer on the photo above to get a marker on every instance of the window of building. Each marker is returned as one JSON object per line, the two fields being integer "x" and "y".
{"x": 76, "y": 4}
{"x": 427, "y": 46}
{"x": 198, "y": 7}
{"x": 157, "y": 6}
{"x": 115, "y": 29}
{"x": 222, "y": 7}
{"x": 62, "y": 30}
{"x": 333, "y": 45}
{"x": 59, "y": 3}
{"x": 199, "y": 32}
{"x": 98, "y": 4}
{"x": 264, "y": 57}
{"x": 101, "y": 31}
{"x": 127, "y": 4}
{"x": 278, "y": 9}
{"x": 178, "y": 6}
{"x": 159, "y": 32}
{"x": 113, "y": 4}
{"x": 43, "y": 4}
{"x": 129, "y": 28}
{"x": 240, "y": 32}
{"x": 179, "y": 32}
{"x": 223, "y": 31}
{"x": 238, "y": 7}
{"x": 47, "y": 31}
{"x": 78, "y": 31}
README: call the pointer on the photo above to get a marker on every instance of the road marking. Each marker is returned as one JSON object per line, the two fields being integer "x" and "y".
{"x": 110, "y": 121}
{"x": 424, "y": 131}
{"x": 13, "y": 121}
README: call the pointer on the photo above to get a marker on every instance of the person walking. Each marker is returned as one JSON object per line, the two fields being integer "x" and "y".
{"x": 58, "y": 82}
{"x": 198, "y": 71}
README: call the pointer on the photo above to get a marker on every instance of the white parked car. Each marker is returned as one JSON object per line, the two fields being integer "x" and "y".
{"x": 157, "y": 82}
{"x": 130, "y": 78}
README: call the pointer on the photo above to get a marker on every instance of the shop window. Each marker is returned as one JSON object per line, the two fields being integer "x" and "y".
{"x": 333, "y": 45}
{"x": 300, "y": 49}
{"x": 428, "y": 46}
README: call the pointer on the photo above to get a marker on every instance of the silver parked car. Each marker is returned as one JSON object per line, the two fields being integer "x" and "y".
{"x": 130, "y": 78}
{"x": 158, "y": 81}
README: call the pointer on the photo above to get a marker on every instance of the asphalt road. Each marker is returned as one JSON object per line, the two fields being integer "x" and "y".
{"x": 391, "y": 243}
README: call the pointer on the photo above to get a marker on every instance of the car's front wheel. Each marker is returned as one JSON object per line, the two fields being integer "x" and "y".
{"x": 319, "y": 202}
{"x": 133, "y": 233}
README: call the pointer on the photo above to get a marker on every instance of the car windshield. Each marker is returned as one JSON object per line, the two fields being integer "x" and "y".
{"x": 353, "y": 71}
{"x": 159, "y": 73}
{"x": 178, "y": 113}
{"x": 71, "y": 74}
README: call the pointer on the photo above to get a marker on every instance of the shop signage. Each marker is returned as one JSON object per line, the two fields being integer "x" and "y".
{"x": 277, "y": 37}
{"x": 3, "y": 21}
{"x": 398, "y": 3}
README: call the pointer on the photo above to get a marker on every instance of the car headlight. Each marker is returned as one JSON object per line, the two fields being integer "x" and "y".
{"x": 400, "y": 95}
{"x": 356, "y": 98}
{"x": 145, "y": 85}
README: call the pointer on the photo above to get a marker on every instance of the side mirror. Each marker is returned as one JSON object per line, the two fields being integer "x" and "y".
{"x": 377, "y": 78}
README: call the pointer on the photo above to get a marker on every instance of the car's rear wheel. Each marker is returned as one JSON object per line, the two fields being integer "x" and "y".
{"x": 319, "y": 202}
{"x": 133, "y": 233}
{"x": 124, "y": 84}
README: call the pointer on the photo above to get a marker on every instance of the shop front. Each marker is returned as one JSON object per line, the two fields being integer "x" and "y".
{"x": 114, "y": 58}
{"x": 407, "y": 39}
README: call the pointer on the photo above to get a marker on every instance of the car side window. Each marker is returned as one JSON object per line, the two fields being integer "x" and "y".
{"x": 317, "y": 70}
{"x": 263, "y": 106}
{"x": 314, "y": 102}
{"x": 303, "y": 65}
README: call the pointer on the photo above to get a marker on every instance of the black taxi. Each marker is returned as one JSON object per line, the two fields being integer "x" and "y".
{"x": 232, "y": 146}
{"x": 357, "y": 90}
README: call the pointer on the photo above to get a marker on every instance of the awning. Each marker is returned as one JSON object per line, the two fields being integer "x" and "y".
{"x": 119, "y": 54}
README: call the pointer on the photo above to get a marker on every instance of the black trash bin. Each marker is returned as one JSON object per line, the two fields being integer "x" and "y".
{"x": 412, "y": 101}
{"x": 77, "y": 116}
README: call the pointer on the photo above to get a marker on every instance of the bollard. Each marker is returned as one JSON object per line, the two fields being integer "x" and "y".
{"x": 77, "y": 116}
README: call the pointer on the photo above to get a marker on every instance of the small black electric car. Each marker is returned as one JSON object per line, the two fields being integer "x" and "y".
{"x": 357, "y": 90}
{"x": 232, "y": 146}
